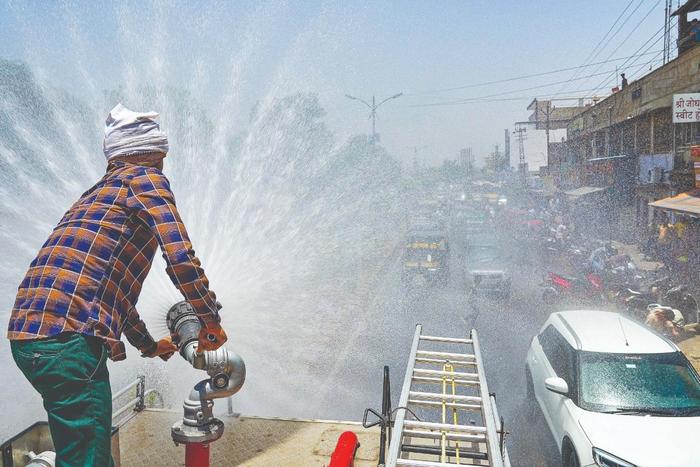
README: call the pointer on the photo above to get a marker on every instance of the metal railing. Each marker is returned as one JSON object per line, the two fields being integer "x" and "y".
{"x": 137, "y": 403}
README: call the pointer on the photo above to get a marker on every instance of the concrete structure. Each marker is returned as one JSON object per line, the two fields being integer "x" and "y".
{"x": 247, "y": 441}
{"x": 547, "y": 124}
{"x": 637, "y": 122}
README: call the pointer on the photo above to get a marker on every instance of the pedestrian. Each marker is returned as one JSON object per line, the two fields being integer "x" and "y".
{"x": 624, "y": 80}
{"x": 80, "y": 291}
{"x": 664, "y": 243}
{"x": 666, "y": 320}
{"x": 694, "y": 33}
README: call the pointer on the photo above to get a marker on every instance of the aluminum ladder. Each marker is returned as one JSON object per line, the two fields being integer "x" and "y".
{"x": 458, "y": 423}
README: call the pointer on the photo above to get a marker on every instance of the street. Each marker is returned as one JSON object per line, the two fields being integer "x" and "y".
{"x": 504, "y": 331}
{"x": 381, "y": 333}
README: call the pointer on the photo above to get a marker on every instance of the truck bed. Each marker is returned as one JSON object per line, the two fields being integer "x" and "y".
{"x": 247, "y": 441}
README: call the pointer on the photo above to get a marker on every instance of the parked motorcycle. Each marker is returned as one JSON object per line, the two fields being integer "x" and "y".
{"x": 680, "y": 298}
{"x": 660, "y": 292}
{"x": 560, "y": 289}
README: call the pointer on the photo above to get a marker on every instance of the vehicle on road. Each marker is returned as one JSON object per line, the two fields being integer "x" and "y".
{"x": 487, "y": 267}
{"x": 469, "y": 219}
{"x": 565, "y": 290}
{"x": 425, "y": 258}
{"x": 613, "y": 392}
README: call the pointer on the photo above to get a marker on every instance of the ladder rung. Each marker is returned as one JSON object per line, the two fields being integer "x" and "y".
{"x": 445, "y": 397}
{"x": 460, "y": 382}
{"x": 417, "y": 463}
{"x": 442, "y": 361}
{"x": 447, "y": 355}
{"x": 454, "y": 374}
{"x": 448, "y": 427}
{"x": 452, "y": 405}
{"x": 450, "y": 451}
{"x": 451, "y": 340}
{"x": 450, "y": 436}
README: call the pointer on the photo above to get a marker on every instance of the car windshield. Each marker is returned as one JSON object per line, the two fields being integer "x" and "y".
{"x": 480, "y": 254}
{"x": 423, "y": 254}
{"x": 644, "y": 382}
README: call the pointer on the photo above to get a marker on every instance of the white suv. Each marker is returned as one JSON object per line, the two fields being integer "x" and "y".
{"x": 614, "y": 393}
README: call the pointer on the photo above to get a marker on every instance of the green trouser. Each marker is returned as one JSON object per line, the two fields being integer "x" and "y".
{"x": 70, "y": 372}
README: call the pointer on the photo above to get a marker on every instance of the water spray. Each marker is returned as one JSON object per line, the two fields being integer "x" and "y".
{"x": 226, "y": 371}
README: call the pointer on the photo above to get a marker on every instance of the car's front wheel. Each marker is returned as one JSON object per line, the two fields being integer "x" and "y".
{"x": 531, "y": 402}
{"x": 570, "y": 458}
{"x": 528, "y": 384}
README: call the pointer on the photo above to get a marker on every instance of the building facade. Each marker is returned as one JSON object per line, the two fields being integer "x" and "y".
{"x": 637, "y": 122}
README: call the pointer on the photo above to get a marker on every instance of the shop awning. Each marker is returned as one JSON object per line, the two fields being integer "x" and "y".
{"x": 584, "y": 190}
{"x": 608, "y": 159}
{"x": 685, "y": 203}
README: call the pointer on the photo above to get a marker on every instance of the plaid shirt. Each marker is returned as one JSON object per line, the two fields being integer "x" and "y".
{"x": 88, "y": 275}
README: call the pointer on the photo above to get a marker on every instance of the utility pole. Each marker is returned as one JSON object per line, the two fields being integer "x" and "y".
{"x": 522, "y": 165}
{"x": 373, "y": 110}
{"x": 507, "y": 148}
{"x": 668, "y": 9}
{"x": 547, "y": 114}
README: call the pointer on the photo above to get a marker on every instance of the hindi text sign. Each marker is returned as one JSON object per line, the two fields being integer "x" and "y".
{"x": 686, "y": 108}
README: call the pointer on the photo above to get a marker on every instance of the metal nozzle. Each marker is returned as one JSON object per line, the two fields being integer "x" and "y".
{"x": 226, "y": 372}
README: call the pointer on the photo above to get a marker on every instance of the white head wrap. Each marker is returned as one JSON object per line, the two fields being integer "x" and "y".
{"x": 129, "y": 133}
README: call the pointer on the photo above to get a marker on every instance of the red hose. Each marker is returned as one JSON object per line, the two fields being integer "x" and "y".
{"x": 344, "y": 454}
{"x": 196, "y": 455}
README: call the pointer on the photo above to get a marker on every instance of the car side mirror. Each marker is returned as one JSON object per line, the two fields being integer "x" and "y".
{"x": 557, "y": 385}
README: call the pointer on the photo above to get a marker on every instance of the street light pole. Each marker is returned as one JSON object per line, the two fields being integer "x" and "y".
{"x": 374, "y": 120}
{"x": 373, "y": 110}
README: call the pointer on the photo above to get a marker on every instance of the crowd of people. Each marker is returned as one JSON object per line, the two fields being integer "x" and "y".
{"x": 674, "y": 245}
{"x": 671, "y": 243}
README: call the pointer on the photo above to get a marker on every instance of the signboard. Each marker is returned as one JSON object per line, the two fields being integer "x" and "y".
{"x": 695, "y": 152}
{"x": 686, "y": 108}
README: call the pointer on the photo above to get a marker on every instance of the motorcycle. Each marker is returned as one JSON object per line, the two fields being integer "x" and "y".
{"x": 560, "y": 289}
{"x": 660, "y": 292}
{"x": 680, "y": 299}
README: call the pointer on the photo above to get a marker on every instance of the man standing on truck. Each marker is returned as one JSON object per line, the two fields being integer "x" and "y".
{"x": 80, "y": 292}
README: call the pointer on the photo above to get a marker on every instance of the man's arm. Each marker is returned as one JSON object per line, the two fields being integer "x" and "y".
{"x": 137, "y": 334}
{"x": 150, "y": 194}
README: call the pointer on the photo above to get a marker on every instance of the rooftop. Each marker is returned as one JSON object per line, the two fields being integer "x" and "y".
{"x": 653, "y": 91}
{"x": 605, "y": 331}
{"x": 688, "y": 7}
{"x": 250, "y": 441}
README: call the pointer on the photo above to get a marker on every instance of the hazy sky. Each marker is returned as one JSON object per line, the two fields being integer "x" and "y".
{"x": 254, "y": 49}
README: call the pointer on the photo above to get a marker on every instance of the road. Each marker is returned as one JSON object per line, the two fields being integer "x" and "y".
{"x": 382, "y": 335}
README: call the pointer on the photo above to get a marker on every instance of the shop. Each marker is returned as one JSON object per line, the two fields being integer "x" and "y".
{"x": 681, "y": 213}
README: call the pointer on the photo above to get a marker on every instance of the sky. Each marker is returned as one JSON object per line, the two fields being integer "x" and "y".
{"x": 422, "y": 49}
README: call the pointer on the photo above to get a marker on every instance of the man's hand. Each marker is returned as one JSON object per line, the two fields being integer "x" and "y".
{"x": 164, "y": 349}
{"x": 211, "y": 337}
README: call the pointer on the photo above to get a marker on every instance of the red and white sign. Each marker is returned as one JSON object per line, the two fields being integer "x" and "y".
{"x": 686, "y": 108}
{"x": 695, "y": 152}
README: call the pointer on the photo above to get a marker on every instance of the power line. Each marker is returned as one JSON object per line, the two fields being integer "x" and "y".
{"x": 478, "y": 100}
{"x": 640, "y": 71}
{"x": 522, "y": 77}
{"x": 606, "y": 80}
{"x": 633, "y": 30}
{"x": 488, "y": 96}
{"x": 540, "y": 86}
{"x": 596, "y": 51}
